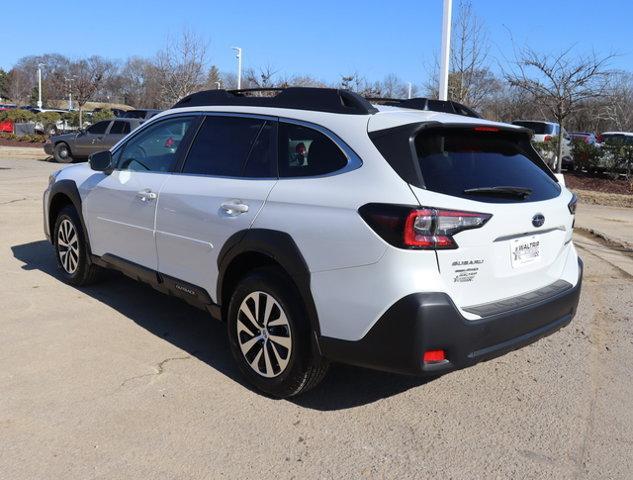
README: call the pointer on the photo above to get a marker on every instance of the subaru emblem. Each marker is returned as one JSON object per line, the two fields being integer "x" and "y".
{"x": 538, "y": 220}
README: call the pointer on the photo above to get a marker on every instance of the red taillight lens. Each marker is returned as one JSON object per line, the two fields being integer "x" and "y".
{"x": 434, "y": 356}
{"x": 420, "y": 228}
{"x": 547, "y": 138}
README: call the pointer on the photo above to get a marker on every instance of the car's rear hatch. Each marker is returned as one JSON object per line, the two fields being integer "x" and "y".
{"x": 523, "y": 245}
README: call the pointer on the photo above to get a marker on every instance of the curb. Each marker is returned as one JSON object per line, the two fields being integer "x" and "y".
{"x": 617, "y": 244}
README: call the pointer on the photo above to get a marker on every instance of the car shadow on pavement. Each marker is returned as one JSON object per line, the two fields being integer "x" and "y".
{"x": 195, "y": 332}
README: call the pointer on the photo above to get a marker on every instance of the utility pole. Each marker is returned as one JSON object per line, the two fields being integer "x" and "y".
{"x": 238, "y": 55}
{"x": 39, "y": 83}
{"x": 409, "y": 91}
{"x": 218, "y": 85}
{"x": 446, "y": 49}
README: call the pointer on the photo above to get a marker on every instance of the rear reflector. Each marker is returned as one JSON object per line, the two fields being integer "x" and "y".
{"x": 434, "y": 356}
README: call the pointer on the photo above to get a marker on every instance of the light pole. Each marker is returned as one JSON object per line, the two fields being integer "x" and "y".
{"x": 39, "y": 83}
{"x": 238, "y": 55}
{"x": 218, "y": 85}
{"x": 69, "y": 83}
{"x": 409, "y": 91}
{"x": 446, "y": 49}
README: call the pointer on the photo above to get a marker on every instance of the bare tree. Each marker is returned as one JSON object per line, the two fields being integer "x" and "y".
{"x": 470, "y": 80}
{"x": 562, "y": 83}
{"x": 617, "y": 109}
{"x": 359, "y": 84}
{"x": 181, "y": 67}
{"x": 264, "y": 77}
{"x": 88, "y": 75}
{"x": 18, "y": 86}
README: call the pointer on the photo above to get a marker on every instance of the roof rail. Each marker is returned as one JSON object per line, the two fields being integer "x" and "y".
{"x": 330, "y": 100}
{"x": 422, "y": 103}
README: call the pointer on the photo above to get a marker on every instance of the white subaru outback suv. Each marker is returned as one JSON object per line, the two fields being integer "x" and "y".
{"x": 321, "y": 227}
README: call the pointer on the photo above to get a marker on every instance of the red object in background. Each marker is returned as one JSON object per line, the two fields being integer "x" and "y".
{"x": 169, "y": 142}
{"x": 547, "y": 138}
{"x": 6, "y": 126}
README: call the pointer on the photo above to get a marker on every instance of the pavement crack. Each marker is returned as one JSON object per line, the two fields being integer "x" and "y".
{"x": 159, "y": 367}
{"x": 14, "y": 201}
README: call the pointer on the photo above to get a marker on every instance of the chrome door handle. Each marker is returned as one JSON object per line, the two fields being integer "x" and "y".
{"x": 234, "y": 207}
{"x": 146, "y": 195}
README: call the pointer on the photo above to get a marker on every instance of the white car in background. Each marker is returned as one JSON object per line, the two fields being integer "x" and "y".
{"x": 545, "y": 132}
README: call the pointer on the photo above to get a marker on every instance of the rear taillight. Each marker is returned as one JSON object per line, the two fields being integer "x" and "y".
{"x": 547, "y": 138}
{"x": 420, "y": 228}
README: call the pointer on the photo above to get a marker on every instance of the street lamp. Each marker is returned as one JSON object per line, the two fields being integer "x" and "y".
{"x": 39, "y": 83}
{"x": 69, "y": 83}
{"x": 238, "y": 55}
{"x": 409, "y": 90}
{"x": 446, "y": 49}
{"x": 218, "y": 85}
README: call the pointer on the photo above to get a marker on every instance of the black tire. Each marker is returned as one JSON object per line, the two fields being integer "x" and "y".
{"x": 303, "y": 369}
{"x": 83, "y": 271}
{"x": 62, "y": 153}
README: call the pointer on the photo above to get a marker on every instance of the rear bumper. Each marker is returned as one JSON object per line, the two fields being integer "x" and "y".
{"x": 431, "y": 321}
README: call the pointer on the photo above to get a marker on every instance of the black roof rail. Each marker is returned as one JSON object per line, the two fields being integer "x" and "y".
{"x": 330, "y": 100}
{"x": 422, "y": 103}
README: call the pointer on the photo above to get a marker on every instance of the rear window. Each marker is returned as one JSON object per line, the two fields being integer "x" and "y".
{"x": 454, "y": 161}
{"x": 120, "y": 128}
{"x": 539, "y": 128}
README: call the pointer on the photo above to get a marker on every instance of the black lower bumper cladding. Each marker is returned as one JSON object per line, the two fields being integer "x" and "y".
{"x": 430, "y": 321}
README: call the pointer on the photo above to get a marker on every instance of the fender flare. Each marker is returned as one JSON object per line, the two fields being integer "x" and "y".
{"x": 280, "y": 247}
{"x": 68, "y": 188}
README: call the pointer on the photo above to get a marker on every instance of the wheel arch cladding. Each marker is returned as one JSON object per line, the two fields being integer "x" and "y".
{"x": 63, "y": 193}
{"x": 253, "y": 248}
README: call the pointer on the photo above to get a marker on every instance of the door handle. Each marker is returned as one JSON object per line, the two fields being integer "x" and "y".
{"x": 234, "y": 207}
{"x": 146, "y": 195}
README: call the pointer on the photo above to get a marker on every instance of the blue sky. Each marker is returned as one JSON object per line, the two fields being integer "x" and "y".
{"x": 322, "y": 38}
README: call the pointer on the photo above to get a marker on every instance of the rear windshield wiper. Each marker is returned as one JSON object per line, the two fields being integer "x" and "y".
{"x": 520, "y": 192}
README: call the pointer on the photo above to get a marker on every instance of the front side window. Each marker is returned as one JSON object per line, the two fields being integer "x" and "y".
{"x": 222, "y": 145}
{"x": 305, "y": 152}
{"x": 98, "y": 128}
{"x": 156, "y": 149}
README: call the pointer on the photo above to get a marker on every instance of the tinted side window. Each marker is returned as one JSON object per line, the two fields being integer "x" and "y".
{"x": 304, "y": 152}
{"x": 222, "y": 145}
{"x": 157, "y": 148}
{"x": 98, "y": 128}
{"x": 120, "y": 128}
{"x": 262, "y": 161}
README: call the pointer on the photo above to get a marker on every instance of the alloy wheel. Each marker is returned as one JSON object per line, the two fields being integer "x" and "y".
{"x": 264, "y": 334}
{"x": 68, "y": 246}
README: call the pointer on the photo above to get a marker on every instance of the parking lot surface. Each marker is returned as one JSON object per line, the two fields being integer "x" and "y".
{"x": 119, "y": 381}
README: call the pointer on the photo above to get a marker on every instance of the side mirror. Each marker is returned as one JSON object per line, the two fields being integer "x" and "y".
{"x": 101, "y": 162}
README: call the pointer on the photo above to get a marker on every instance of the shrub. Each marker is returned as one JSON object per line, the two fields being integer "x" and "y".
{"x": 548, "y": 151}
{"x": 17, "y": 115}
{"x": 101, "y": 115}
{"x": 586, "y": 155}
{"x": 617, "y": 159}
